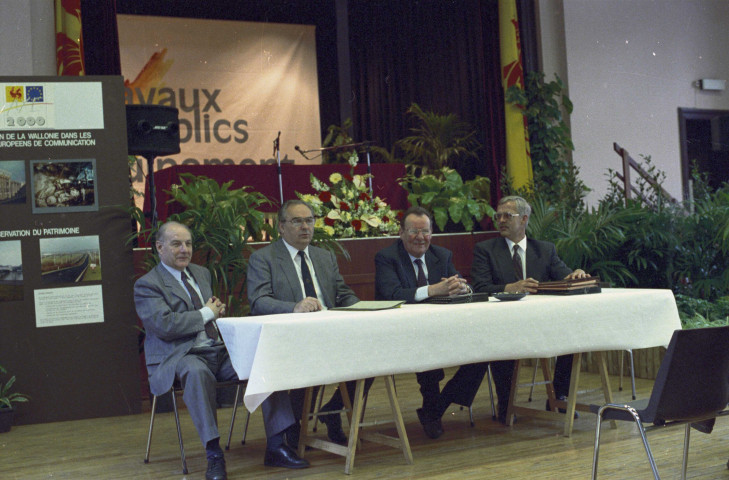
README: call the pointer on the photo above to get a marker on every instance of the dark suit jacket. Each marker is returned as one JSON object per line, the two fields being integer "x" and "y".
{"x": 395, "y": 276}
{"x": 492, "y": 268}
{"x": 273, "y": 284}
{"x": 171, "y": 323}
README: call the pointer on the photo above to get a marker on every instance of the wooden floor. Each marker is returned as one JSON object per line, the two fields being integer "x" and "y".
{"x": 113, "y": 448}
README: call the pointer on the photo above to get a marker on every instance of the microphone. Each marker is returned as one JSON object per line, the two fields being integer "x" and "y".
{"x": 301, "y": 152}
{"x": 276, "y": 143}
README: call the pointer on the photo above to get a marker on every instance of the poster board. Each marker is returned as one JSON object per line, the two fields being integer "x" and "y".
{"x": 67, "y": 321}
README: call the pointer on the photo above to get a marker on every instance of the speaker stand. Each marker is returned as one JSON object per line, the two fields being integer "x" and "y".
{"x": 152, "y": 193}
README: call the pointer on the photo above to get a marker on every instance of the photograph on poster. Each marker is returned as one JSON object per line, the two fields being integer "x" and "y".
{"x": 63, "y": 185}
{"x": 11, "y": 271}
{"x": 12, "y": 181}
{"x": 70, "y": 259}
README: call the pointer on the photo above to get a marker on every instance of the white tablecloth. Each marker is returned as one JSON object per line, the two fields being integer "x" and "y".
{"x": 280, "y": 352}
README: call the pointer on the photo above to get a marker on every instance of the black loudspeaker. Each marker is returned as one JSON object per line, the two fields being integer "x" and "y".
{"x": 152, "y": 130}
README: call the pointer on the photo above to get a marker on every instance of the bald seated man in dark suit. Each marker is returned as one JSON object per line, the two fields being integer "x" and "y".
{"x": 412, "y": 269}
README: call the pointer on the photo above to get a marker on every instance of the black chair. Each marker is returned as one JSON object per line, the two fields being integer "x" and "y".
{"x": 177, "y": 389}
{"x": 691, "y": 387}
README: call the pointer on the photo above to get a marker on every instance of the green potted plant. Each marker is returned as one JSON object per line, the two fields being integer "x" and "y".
{"x": 452, "y": 201}
{"x": 7, "y": 398}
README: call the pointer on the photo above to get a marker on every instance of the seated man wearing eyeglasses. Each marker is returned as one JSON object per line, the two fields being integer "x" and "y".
{"x": 413, "y": 270}
{"x": 515, "y": 263}
{"x": 292, "y": 276}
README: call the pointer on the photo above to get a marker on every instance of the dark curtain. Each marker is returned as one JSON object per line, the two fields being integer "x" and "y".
{"x": 101, "y": 38}
{"x": 442, "y": 55}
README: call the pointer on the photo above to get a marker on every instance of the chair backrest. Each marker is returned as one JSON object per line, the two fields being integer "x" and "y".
{"x": 693, "y": 379}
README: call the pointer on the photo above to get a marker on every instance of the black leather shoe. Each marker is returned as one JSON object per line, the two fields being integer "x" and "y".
{"x": 432, "y": 428}
{"x": 283, "y": 457}
{"x": 562, "y": 410}
{"x": 335, "y": 433}
{"x": 216, "y": 469}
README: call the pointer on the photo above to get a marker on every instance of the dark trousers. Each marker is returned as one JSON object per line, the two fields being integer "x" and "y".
{"x": 562, "y": 374}
{"x": 461, "y": 389}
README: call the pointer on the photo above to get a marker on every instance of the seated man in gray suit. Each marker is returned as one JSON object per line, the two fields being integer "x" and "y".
{"x": 413, "y": 270}
{"x": 182, "y": 342}
{"x": 515, "y": 263}
{"x": 292, "y": 276}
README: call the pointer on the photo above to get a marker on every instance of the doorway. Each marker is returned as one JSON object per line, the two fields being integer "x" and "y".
{"x": 711, "y": 157}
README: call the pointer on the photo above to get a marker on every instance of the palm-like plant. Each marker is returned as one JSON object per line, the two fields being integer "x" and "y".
{"x": 585, "y": 239}
{"x": 7, "y": 398}
{"x": 438, "y": 140}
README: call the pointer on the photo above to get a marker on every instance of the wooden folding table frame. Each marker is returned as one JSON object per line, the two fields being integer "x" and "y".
{"x": 355, "y": 412}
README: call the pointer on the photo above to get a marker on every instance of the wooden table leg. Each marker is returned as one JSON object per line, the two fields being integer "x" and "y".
{"x": 354, "y": 426}
{"x": 569, "y": 418}
{"x": 399, "y": 424}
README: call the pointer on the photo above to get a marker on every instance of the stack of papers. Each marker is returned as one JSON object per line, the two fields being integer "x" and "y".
{"x": 570, "y": 287}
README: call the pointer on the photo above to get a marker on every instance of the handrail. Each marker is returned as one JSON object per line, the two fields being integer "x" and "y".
{"x": 628, "y": 163}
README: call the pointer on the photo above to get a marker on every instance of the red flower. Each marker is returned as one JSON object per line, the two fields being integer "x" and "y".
{"x": 385, "y": 219}
{"x": 375, "y": 207}
{"x": 399, "y": 215}
{"x": 325, "y": 196}
{"x": 329, "y": 221}
{"x": 357, "y": 224}
{"x": 364, "y": 196}
{"x": 343, "y": 206}
{"x": 348, "y": 177}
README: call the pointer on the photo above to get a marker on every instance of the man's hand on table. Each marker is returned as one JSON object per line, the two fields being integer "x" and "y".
{"x": 309, "y": 304}
{"x": 528, "y": 285}
{"x": 448, "y": 286}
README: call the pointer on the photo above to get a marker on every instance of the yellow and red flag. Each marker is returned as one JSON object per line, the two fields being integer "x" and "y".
{"x": 518, "y": 157}
{"x": 69, "y": 40}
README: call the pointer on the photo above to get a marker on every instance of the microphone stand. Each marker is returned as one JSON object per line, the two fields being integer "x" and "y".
{"x": 277, "y": 152}
{"x": 339, "y": 148}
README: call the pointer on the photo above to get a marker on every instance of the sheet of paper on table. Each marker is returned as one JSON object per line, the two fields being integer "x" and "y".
{"x": 371, "y": 305}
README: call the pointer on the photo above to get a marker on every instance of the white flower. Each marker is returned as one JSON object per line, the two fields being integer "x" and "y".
{"x": 353, "y": 159}
{"x": 371, "y": 220}
{"x": 335, "y": 178}
{"x": 334, "y": 215}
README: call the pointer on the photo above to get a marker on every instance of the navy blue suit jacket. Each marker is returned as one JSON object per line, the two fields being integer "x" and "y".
{"x": 395, "y": 276}
{"x": 492, "y": 268}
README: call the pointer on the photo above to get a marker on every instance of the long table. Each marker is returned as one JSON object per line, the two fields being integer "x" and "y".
{"x": 281, "y": 352}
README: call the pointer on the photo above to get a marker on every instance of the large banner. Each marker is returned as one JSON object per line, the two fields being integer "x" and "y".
{"x": 236, "y": 85}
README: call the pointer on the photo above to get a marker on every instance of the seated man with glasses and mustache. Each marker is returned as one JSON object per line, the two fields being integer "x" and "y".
{"x": 514, "y": 263}
{"x": 292, "y": 276}
{"x": 413, "y": 270}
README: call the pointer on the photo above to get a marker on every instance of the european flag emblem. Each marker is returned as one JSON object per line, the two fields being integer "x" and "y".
{"x": 34, "y": 94}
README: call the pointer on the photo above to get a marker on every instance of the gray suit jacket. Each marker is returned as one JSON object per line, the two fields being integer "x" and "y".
{"x": 273, "y": 284}
{"x": 492, "y": 268}
{"x": 170, "y": 321}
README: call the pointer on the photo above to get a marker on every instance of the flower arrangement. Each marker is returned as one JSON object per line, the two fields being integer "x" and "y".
{"x": 345, "y": 209}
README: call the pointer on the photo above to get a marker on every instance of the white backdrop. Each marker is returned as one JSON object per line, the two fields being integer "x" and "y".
{"x": 236, "y": 85}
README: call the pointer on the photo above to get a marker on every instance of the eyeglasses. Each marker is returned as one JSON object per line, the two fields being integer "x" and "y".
{"x": 298, "y": 221}
{"x": 414, "y": 232}
{"x": 505, "y": 215}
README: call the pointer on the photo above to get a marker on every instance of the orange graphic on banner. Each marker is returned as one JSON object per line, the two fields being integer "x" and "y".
{"x": 518, "y": 158}
{"x": 149, "y": 78}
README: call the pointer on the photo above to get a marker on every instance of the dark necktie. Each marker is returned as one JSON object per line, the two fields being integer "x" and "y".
{"x": 309, "y": 289}
{"x": 422, "y": 281}
{"x": 518, "y": 268}
{"x": 210, "y": 329}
